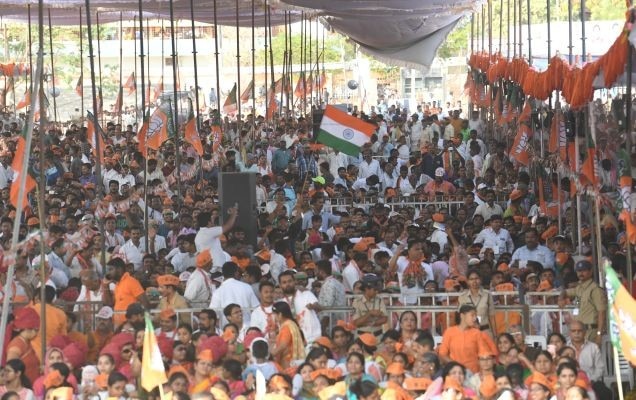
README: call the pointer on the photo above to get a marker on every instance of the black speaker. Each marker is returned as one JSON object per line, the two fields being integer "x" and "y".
{"x": 240, "y": 188}
{"x": 316, "y": 119}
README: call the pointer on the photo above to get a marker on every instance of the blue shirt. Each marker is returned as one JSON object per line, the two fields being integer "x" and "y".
{"x": 540, "y": 254}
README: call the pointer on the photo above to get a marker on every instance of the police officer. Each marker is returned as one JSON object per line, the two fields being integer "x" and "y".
{"x": 590, "y": 307}
{"x": 370, "y": 312}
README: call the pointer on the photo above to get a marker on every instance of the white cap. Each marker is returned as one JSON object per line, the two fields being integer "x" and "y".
{"x": 474, "y": 261}
{"x": 265, "y": 269}
{"x": 105, "y": 313}
{"x": 184, "y": 276}
{"x": 481, "y": 186}
{"x": 439, "y": 171}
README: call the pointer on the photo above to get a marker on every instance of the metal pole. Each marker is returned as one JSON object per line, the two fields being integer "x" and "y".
{"x": 30, "y": 55}
{"x": 529, "y": 34}
{"x": 583, "y": 48}
{"x": 500, "y": 26}
{"x": 196, "y": 69}
{"x": 239, "y": 120}
{"x": 570, "y": 45}
{"x": 52, "y": 70}
{"x": 267, "y": 85}
{"x": 284, "y": 75}
{"x": 136, "y": 72}
{"x": 628, "y": 133}
{"x": 99, "y": 61}
{"x": 472, "y": 33}
{"x": 35, "y": 84}
{"x": 304, "y": 50}
{"x": 175, "y": 115}
{"x": 508, "y": 31}
{"x": 81, "y": 50}
{"x": 216, "y": 60}
{"x": 253, "y": 60}
{"x": 483, "y": 31}
{"x": 490, "y": 27}
{"x": 121, "y": 59}
{"x": 550, "y": 98}
{"x": 520, "y": 28}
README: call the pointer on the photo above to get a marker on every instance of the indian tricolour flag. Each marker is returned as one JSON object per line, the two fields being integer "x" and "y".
{"x": 153, "y": 372}
{"x": 343, "y": 132}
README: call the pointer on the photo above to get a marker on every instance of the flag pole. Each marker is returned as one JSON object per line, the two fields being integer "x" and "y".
{"x": 52, "y": 70}
{"x": 35, "y": 82}
{"x": 196, "y": 69}
{"x": 253, "y": 62}
{"x": 30, "y": 50}
{"x": 216, "y": 62}
{"x": 120, "y": 94}
{"x": 99, "y": 61}
{"x": 135, "y": 62}
{"x": 175, "y": 113}
{"x": 81, "y": 50}
{"x": 267, "y": 85}
{"x": 143, "y": 111}
{"x": 239, "y": 120}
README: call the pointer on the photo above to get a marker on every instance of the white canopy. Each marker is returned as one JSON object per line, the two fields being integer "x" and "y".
{"x": 398, "y": 32}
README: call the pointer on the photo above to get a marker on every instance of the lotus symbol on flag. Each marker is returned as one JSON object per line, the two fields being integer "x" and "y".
{"x": 155, "y": 126}
{"x": 348, "y": 134}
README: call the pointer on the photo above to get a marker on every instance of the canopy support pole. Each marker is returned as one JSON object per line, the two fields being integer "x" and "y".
{"x": 268, "y": 87}
{"x": 239, "y": 120}
{"x": 175, "y": 99}
{"x": 52, "y": 70}
{"x": 120, "y": 94}
{"x": 628, "y": 142}
{"x": 81, "y": 50}
{"x": 216, "y": 61}
{"x": 196, "y": 68}
{"x": 99, "y": 61}
{"x": 253, "y": 63}
{"x": 136, "y": 71}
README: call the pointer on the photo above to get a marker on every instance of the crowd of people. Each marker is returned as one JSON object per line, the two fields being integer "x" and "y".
{"x": 338, "y": 297}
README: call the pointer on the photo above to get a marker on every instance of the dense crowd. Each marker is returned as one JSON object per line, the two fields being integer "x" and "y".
{"x": 433, "y": 214}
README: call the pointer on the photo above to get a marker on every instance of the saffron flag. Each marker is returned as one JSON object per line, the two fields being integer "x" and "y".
{"x": 526, "y": 113}
{"x": 589, "y": 169}
{"x": 94, "y": 133}
{"x": 247, "y": 93}
{"x": 153, "y": 372}
{"x": 321, "y": 81}
{"x": 159, "y": 126}
{"x": 300, "y": 86}
{"x": 216, "y": 137}
{"x": 519, "y": 150}
{"x": 130, "y": 84}
{"x": 558, "y": 140}
{"x": 119, "y": 101}
{"x": 272, "y": 105}
{"x": 231, "y": 105}
{"x": 25, "y": 101}
{"x": 622, "y": 315}
{"x": 625, "y": 177}
{"x": 278, "y": 86}
{"x": 79, "y": 86}
{"x": 191, "y": 135}
{"x": 344, "y": 132}
{"x": 19, "y": 158}
{"x": 141, "y": 138}
{"x": 148, "y": 92}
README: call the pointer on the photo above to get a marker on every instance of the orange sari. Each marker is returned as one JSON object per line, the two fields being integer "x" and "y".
{"x": 291, "y": 336}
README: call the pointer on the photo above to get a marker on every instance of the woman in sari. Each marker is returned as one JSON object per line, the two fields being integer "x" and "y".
{"x": 290, "y": 343}
{"x": 26, "y": 324}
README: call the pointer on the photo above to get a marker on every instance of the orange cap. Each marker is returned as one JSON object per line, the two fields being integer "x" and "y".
{"x": 206, "y": 355}
{"x": 368, "y": 339}
{"x": 516, "y": 195}
{"x": 581, "y": 383}
{"x": 203, "y": 258}
{"x": 450, "y": 284}
{"x": 503, "y": 267}
{"x": 562, "y": 257}
{"x": 325, "y": 342}
{"x": 168, "y": 280}
{"x": 485, "y": 351}
{"x": 330, "y": 373}
{"x": 167, "y": 313}
{"x": 364, "y": 244}
{"x": 416, "y": 384}
{"x": 539, "y": 378}
{"x": 549, "y": 233}
{"x": 347, "y": 326}
{"x": 437, "y": 217}
{"x": 505, "y": 287}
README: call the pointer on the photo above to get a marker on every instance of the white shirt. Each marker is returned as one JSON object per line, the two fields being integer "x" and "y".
{"x": 277, "y": 264}
{"x": 208, "y": 238}
{"x": 133, "y": 254}
{"x": 367, "y": 169}
{"x": 160, "y": 243}
{"x": 410, "y": 294}
{"x": 307, "y": 319}
{"x": 88, "y": 295}
{"x": 237, "y": 292}
{"x": 181, "y": 261}
{"x": 500, "y": 242}
{"x": 350, "y": 275}
{"x": 113, "y": 240}
{"x": 337, "y": 160}
{"x": 199, "y": 288}
{"x": 260, "y": 317}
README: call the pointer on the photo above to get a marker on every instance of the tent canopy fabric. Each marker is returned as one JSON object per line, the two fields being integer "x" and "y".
{"x": 398, "y": 32}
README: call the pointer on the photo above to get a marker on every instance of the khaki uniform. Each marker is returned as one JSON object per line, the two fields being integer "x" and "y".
{"x": 484, "y": 306}
{"x": 589, "y": 299}
{"x": 361, "y": 306}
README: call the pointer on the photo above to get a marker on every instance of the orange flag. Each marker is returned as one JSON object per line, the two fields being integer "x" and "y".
{"x": 93, "y": 134}
{"x": 216, "y": 137}
{"x": 18, "y": 160}
{"x": 130, "y": 83}
{"x": 519, "y": 150}
{"x": 272, "y": 106}
{"x": 300, "y": 86}
{"x": 26, "y": 100}
{"x": 141, "y": 139}
{"x": 192, "y": 136}
{"x": 159, "y": 126}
